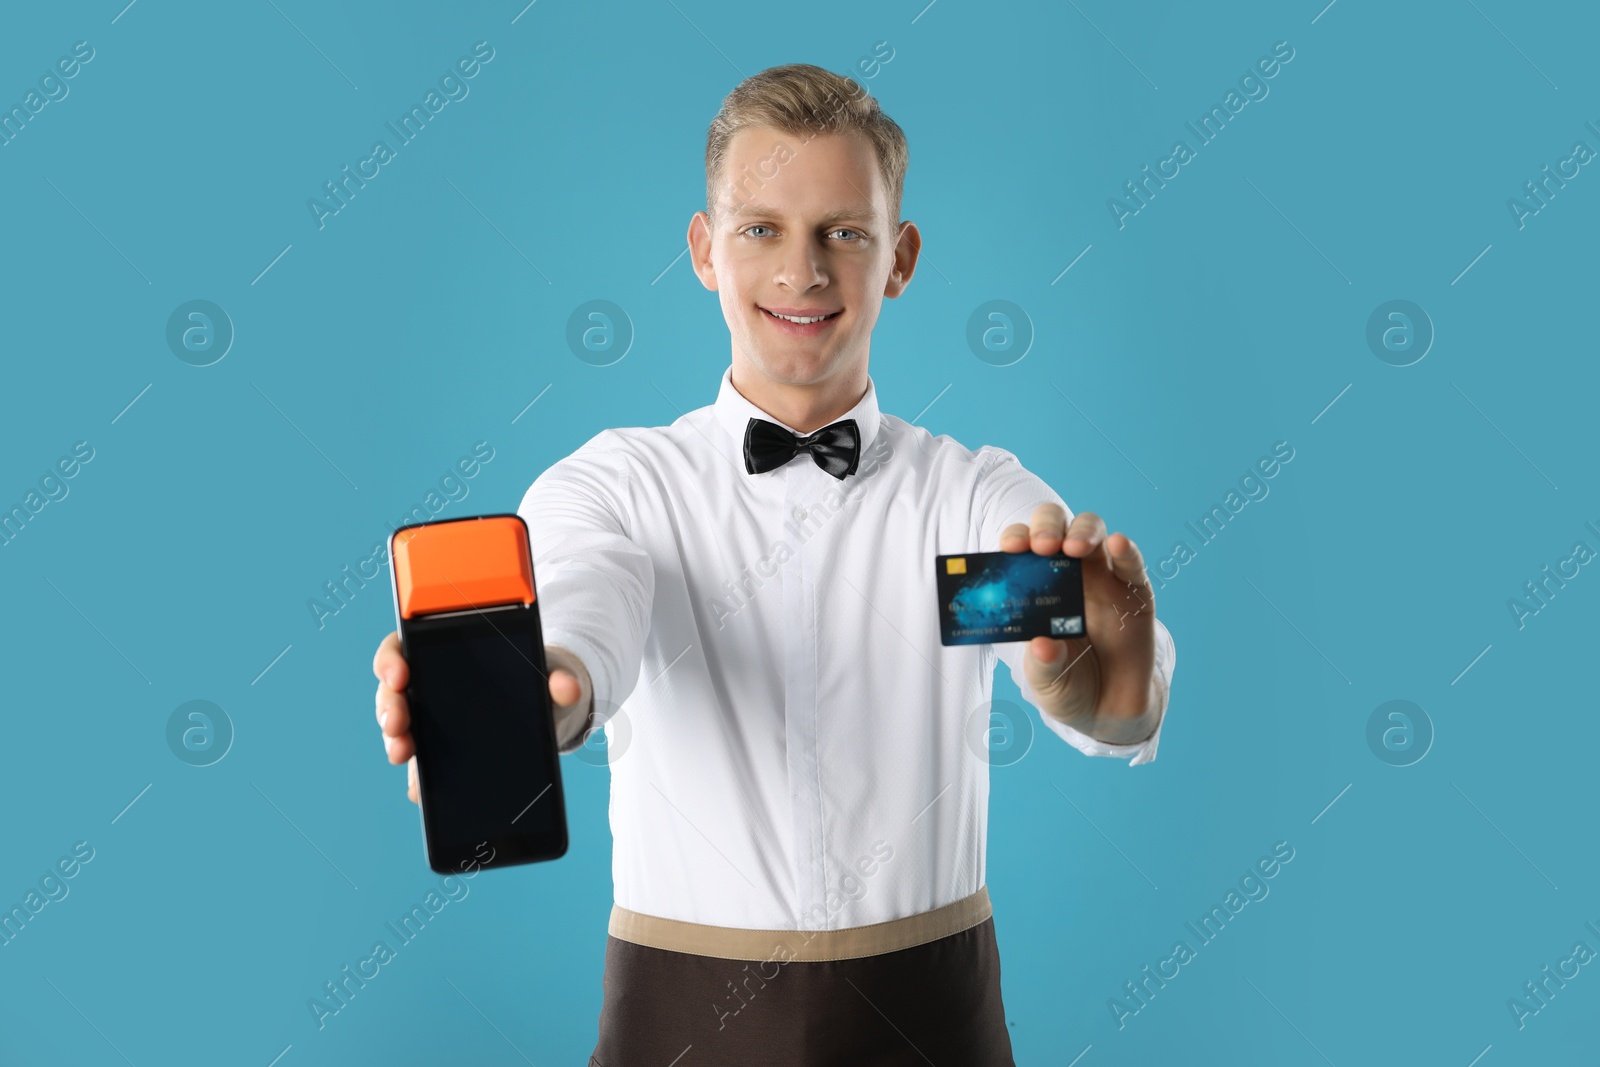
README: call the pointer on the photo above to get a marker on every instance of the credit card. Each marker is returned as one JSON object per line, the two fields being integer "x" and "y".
{"x": 1008, "y": 596}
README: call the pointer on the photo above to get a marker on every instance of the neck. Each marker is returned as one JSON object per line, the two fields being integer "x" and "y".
{"x": 805, "y": 406}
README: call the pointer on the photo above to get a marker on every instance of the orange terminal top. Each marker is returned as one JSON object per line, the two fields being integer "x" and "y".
{"x": 462, "y": 564}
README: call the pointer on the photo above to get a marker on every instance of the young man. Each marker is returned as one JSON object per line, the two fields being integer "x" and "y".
{"x": 799, "y": 814}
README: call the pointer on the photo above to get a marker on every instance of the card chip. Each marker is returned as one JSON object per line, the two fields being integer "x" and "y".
{"x": 955, "y": 566}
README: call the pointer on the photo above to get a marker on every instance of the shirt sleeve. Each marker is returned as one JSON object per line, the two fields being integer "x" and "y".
{"x": 594, "y": 583}
{"x": 1007, "y": 493}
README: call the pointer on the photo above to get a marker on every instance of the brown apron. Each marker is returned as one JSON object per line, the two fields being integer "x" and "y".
{"x": 934, "y": 1003}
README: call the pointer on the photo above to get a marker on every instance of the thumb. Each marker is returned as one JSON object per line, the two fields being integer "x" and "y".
{"x": 1056, "y": 666}
{"x": 1043, "y": 664}
{"x": 569, "y": 676}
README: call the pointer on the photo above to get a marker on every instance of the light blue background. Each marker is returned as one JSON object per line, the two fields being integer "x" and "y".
{"x": 1224, "y": 317}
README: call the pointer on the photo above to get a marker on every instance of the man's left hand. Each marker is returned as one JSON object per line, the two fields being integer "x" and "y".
{"x": 1105, "y": 683}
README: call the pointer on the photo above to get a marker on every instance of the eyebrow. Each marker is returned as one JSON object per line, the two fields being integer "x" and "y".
{"x": 744, "y": 208}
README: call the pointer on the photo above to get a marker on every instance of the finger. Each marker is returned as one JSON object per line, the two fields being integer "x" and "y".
{"x": 399, "y": 748}
{"x": 1085, "y": 534}
{"x": 1127, "y": 563}
{"x": 1014, "y": 538}
{"x": 394, "y": 712}
{"x": 564, "y": 687}
{"x": 1045, "y": 528}
{"x": 411, "y": 781}
{"x": 389, "y": 665}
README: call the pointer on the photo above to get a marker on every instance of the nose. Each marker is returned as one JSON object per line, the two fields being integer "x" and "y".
{"x": 800, "y": 266}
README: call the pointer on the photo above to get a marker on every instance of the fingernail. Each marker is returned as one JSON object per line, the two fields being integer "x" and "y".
{"x": 388, "y": 744}
{"x": 383, "y": 720}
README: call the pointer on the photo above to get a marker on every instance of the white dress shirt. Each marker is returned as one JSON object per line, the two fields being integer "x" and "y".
{"x": 798, "y": 749}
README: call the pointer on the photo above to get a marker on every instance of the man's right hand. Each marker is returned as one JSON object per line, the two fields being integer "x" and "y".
{"x": 394, "y": 716}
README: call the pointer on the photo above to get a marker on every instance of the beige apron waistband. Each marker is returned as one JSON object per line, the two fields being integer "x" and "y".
{"x": 737, "y": 943}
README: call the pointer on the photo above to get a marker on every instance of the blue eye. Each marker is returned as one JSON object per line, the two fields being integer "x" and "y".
{"x": 749, "y": 231}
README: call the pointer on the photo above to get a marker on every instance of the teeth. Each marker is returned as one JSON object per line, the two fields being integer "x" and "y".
{"x": 792, "y": 318}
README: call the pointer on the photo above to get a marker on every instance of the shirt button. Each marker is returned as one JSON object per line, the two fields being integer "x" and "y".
{"x": 800, "y": 514}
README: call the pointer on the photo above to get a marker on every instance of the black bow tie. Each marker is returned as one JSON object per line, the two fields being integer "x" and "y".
{"x": 835, "y": 447}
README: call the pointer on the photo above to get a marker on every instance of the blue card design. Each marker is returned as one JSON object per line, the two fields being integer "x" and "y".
{"x": 1008, "y": 596}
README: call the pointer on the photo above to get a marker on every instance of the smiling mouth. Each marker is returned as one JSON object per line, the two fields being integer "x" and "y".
{"x": 803, "y": 320}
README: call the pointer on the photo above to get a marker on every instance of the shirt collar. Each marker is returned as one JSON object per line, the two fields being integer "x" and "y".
{"x": 734, "y": 412}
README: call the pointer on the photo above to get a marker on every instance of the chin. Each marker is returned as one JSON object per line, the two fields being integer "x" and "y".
{"x": 793, "y": 369}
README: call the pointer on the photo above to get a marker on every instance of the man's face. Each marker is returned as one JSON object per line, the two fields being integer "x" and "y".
{"x": 803, "y": 228}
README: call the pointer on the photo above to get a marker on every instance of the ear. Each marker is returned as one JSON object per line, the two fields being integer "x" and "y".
{"x": 908, "y": 245}
{"x": 700, "y": 249}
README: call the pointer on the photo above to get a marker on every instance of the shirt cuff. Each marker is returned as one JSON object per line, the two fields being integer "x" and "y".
{"x": 1135, "y": 753}
{"x": 571, "y": 721}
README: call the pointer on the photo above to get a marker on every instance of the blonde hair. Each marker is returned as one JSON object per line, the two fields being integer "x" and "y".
{"x": 800, "y": 98}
